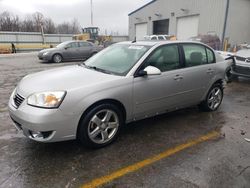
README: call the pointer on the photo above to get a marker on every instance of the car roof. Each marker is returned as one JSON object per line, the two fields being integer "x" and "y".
{"x": 68, "y": 41}
{"x": 158, "y": 42}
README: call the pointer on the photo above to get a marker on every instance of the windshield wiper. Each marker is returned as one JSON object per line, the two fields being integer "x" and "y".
{"x": 95, "y": 68}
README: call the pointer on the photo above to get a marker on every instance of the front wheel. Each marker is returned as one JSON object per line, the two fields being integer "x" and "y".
{"x": 57, "y": 58}
{"x": 100, "y": 126}
{"x": 213, "y": 99}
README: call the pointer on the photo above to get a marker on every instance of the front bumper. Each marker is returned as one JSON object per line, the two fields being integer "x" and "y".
{"x": 243, "y": 71}
{"x": 44, "y": 57}
{"x": 52, "y": 123}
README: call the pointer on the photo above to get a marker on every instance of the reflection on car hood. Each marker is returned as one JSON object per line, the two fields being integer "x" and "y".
{"x": 65, "y": 78}
{"x": 48, "y": 50}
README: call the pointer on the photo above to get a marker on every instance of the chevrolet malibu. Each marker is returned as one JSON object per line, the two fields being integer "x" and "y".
{"x": 125, "y": 82}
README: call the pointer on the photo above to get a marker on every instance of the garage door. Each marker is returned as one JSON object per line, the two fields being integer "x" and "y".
{"x": 141, "y": 30}
{"x": 187, "y": 27}
{"x": 160, "y": 27}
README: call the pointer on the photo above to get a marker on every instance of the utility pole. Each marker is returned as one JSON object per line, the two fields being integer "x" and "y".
{"x": 42, "y": 32}
{"x": 91, "y": 8}
{"x": 225, "y": 24}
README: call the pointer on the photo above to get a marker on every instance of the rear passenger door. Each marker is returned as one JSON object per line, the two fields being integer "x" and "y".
{"x": 85, "y": 49}
{"x": 198, "y": 72}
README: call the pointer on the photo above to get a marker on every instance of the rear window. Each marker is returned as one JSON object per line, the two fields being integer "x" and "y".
{"x": 161, "y": 38}
{"x": 196, "y": 55}
{"x": 83, "y": 44}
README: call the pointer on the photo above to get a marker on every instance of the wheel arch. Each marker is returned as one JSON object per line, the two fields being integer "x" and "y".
{"x": 218, "y": 81}
{"x": 56, "y": 53}
{"x": 103, "y": 101}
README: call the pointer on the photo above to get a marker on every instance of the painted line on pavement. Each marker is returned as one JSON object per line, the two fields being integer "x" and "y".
{"x": 3, "y": 109}
{"x": 136, "y": 166}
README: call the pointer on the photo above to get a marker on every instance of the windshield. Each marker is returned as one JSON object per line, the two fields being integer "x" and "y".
{"x": 62, "y": 45}
{"x": 117, "y": 59}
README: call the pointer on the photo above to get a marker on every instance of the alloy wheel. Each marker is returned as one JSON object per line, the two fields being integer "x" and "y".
{"x": 214, "y": 98}
{"x": 103, "y": 126}
{"x": 57, "y": 58}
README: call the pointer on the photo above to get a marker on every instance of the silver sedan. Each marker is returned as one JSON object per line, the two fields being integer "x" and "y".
{"x": 125, "y": 82}
{"x": 69, "y": 50}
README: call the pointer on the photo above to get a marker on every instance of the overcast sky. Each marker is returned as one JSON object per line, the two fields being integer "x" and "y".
{"x": 108, "y": 14}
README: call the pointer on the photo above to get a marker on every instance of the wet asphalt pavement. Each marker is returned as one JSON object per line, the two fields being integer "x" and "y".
{"x": 220, "y": 162}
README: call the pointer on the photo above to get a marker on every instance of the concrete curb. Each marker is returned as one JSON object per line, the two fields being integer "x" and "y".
{"x": 18, "y": 54}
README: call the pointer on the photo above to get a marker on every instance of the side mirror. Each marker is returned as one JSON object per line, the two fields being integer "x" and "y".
{"x": 66, "y": 47}
{"x": 150, "y": 71}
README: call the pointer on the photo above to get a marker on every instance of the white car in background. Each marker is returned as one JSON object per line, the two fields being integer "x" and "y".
{"x": 241, "y": 67}
{"x": 158, "y": 37}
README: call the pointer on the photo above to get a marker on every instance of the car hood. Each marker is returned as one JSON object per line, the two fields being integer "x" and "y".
{"x": 48, "y": 50}
{"x": 243, "y": 53}
{"x": 62, "y": 79}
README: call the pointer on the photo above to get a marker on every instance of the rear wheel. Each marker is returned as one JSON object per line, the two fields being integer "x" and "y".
{"x": 57, "y": 58}
{"x": 92, "y": 54}
{"x": 213, "y": 99}
{"x": 100, "y": 126}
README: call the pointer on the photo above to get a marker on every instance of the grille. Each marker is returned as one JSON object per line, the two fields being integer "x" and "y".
{"x": 243, "y": 59}
{"x": 18, "y": 100}
{"x": 242, "y": 70}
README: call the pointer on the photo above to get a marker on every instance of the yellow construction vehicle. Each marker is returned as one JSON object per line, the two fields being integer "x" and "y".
{"x": 92, "y": 34}
{"x": 83, "y": 36}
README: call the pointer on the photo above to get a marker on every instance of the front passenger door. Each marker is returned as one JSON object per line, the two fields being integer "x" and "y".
{"x": 71, "y": 51}
{"x": 155, "y": 94}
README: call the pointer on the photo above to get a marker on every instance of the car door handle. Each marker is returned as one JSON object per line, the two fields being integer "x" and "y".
{"x": 210, "y": 71}
{"x": 178, "y": 77}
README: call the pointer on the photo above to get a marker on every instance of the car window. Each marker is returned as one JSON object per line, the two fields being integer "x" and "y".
{"x": 84, "y": 44}
{"x": 195, "y": 54}
{"x": 118, "y": 59}
{"x": 161, "y": 38}
{"x": 73, "y": 45}
{"x": 210, "y": 56}
{"x": 165, "y": 58}
{"x": 154, "y": 38}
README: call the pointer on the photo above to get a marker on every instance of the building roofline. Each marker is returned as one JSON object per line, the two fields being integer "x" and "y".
{"x": 141, "y": 7}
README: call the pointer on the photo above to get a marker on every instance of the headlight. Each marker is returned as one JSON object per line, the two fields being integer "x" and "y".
{"x": 45, "y": 53}
{"x": 46, "y": 99}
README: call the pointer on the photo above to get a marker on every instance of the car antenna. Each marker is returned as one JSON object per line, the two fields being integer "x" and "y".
{"x": 134, "y": 41}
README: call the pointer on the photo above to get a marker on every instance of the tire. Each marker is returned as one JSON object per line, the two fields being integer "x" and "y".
{"x": 100, "y": 126}
{"x": 213, "y": 99}
{"x": 230, "y": 77}
{"x": 57, "y": 58}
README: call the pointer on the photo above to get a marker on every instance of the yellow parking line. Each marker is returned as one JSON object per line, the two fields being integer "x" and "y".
{"x": 3, "y": 109}
{"x": 134, "y": 167}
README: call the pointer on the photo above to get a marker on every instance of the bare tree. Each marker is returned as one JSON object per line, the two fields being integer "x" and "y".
{"x": 9, "y": 22}
{"x": 75, "y": 26}
{"x": 33, "y": 23}
{"x": 49, "y": 26}
{"x": 63, "y": 28}
{"x": 38, "y": 20}
{"x": 72, "y": 27}
{"x": 27, "y": 24}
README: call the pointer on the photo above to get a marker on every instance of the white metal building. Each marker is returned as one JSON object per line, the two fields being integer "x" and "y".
{"x": 188, "y": 18}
